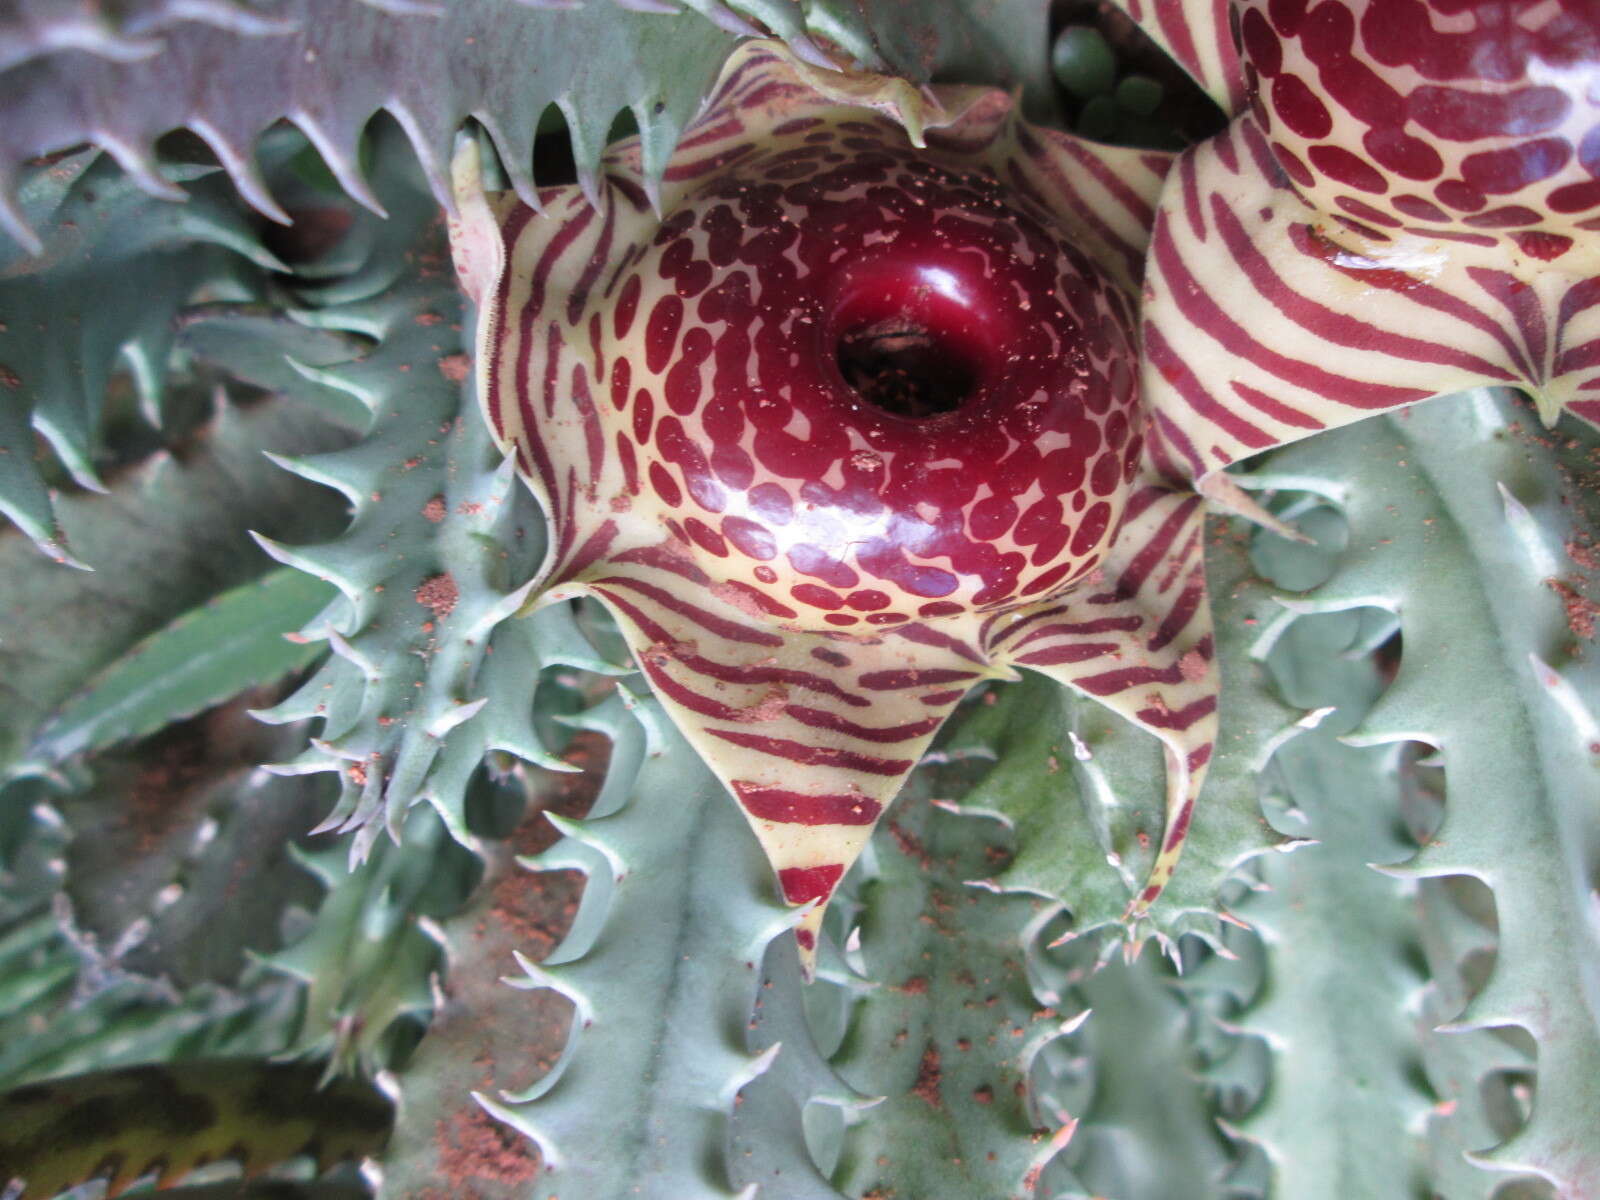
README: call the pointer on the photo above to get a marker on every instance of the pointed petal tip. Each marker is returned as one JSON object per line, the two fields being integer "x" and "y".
{"x": 916, "y": 109}
{"x": 1548, "y": 407}
{"x": 807, "y": 933}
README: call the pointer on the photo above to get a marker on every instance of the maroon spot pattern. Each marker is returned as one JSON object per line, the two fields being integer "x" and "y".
{"x": 1447, "y": 117}
{"x": 787, "y": 482}
{"x": 763, "y": 495}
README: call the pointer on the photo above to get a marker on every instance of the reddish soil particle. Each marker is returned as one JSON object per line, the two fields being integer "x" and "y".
{"x": 1581, "y": 611}
{"x": 1585, "y": 552}
{"x": 739, "y": 598}
{"x": 524, "y": 910}
{"x": 676, "y": 547}
{"x": 357, "y": 773}
{"x": 428, "y": 318}
{"x": 473, "y": 1145}
{"x": 909, "y": 844}
{"x": 151, "y": 810}
{"x": 917, "y": 985}
{"x": 927, "y": 1086}
{"x": 435, "y": 509}
{"x": 469, "y": 508}
{"x": 455, "y": 367}
{"x": 9, "y": 379}
{"x": 659, "y": 654}
{"x": 866, "y": 460}
{"x": 983, "y": 1095}
{"x": 182, "y": 760}
{"x": 769, "y": 708}
{"x": 440, "y": 593}
{"x": 1193, "y": 666}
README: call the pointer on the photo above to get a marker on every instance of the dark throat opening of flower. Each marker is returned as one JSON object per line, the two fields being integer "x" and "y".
{"x": 901, "y": 368}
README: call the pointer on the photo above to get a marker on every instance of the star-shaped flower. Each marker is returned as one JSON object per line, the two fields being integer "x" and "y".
{"x": 851, "y": 425}
{"x": 842, "y": 422}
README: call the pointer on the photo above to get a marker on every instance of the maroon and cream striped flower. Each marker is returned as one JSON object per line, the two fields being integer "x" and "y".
{"x": 852, "y": 425}
{"x": 1409, "y": 205}
{"x": 844, "y": 423}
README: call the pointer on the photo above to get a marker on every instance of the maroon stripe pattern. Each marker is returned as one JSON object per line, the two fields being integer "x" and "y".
{"x": 1408, "y": 207}
{"x": 1140, "y": 642}
{"x": 809, "y": 578}
{"x": 1196, "y": 34}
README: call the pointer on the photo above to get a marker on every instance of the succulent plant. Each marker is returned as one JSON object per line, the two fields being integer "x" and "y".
{"x": 848, "y": 438}
{"x": 131, "y": 1122}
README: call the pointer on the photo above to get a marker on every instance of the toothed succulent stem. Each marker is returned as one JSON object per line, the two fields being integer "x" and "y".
{"x": 823, "y": 402}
